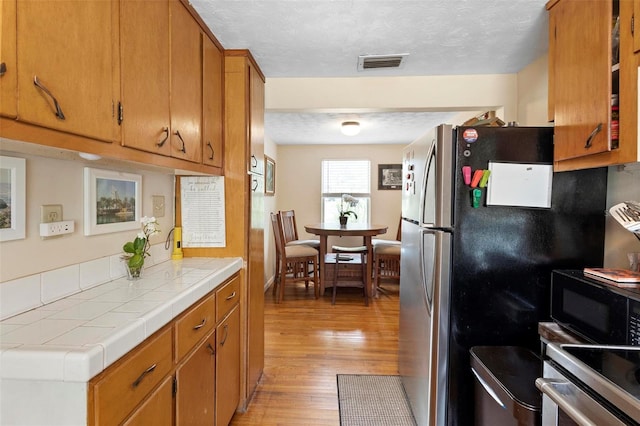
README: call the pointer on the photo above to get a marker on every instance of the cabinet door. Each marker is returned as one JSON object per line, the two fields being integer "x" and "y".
{"x": 582, "y": 78}
{"x": 8, "y": 72}
{"x": 212, "y": 153}
{"x": 157, "y": 409}
{"x": 186, "y": 85}
{"x": 228, "y": 367}
{"x": 196, "y": 378}
{"x": 551, "y": 66}
{"x": 635, "y": 30}
{"x": 144, "y": 58}
{"x": 67, "y": 78}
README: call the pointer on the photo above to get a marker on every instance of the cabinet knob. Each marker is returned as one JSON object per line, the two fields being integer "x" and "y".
{"x": 184, "y": 147}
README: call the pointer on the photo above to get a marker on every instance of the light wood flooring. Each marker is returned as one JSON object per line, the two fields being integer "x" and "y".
{"x": 308, "y": 342}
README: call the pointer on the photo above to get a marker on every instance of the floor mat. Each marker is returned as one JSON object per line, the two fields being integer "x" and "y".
{"x": 370, "y": 400}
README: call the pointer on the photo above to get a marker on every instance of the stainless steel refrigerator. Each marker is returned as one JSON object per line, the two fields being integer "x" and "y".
{"x": 485, "y": 220}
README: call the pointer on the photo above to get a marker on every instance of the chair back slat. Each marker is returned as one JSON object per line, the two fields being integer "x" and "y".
{"x": 289, "y": 230}
{"x": 277, "y": 233}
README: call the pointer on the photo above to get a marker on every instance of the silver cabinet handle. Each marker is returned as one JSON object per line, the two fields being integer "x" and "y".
{"x": 39, "y": 85}
{"x": 254, "y": 161}
{"x": 255, "y": 185}
{"x": 211, "y": 149}
{"x": 184, "y": 147}
{"x": 199, "y": 326}
{"x": 231, "y": 296}
{"x": 593, "y": 135}
{"x": 165, "y": 130}
{"x": 143, "y": 375}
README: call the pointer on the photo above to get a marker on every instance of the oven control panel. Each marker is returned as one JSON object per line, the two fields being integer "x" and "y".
{"x": 634, "y": 323}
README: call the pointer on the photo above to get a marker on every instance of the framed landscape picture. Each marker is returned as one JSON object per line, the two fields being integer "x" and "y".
{"x": 112, "y": 201}
{"x": 269, "y": 176}
{"x": 389, "y": 176}
{"x": 12, "y": 198}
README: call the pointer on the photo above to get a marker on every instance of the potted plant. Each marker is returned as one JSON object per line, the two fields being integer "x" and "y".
{"x": 346, "y": 202}
{"x": 136, "y": 250}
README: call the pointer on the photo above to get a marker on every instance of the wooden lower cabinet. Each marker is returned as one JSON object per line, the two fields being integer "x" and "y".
{"x": 228, "y": 367}
{"x": 195, "y": 385}
{"x": 157, "y": 410}
{"x": 161, "y": 382}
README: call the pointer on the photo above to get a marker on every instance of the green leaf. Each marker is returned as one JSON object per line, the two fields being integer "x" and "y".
{"x": 128, "y": 247}
{"x": 136, "y": 261}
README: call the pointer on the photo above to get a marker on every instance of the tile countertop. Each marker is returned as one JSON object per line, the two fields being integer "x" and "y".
{"x": 75, "y": 338}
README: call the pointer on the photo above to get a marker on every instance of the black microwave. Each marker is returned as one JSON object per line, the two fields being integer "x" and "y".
{"x": 598, "y": 311}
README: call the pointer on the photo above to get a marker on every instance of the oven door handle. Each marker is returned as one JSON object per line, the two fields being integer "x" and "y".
{"x": 570, "y": 399}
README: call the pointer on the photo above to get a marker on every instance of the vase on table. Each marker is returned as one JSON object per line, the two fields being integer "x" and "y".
{"x": 343, "y": 220}
{"x": 133, "y": 272}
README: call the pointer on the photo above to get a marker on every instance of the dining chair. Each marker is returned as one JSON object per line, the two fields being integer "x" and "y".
{"x": 386, "y": 263}
{"x": 346, "y": 252}
{"x": 397, "y": 242}
{"x": 296, "y": 263}
{"x": 290, "y": 230}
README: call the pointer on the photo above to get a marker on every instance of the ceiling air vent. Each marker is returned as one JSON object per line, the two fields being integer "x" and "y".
{"x": 372, "y": 62}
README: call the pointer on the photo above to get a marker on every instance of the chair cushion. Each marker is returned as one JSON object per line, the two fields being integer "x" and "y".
{"x": 380, "y": 242}
{"x": 311, "y": 243}
{"x": 357, "y": 249}
{"x": 299, "y": 251}
{"x": 387, "y": 249}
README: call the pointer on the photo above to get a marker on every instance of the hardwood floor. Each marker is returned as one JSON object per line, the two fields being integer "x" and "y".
{"x": 308, "y": 342}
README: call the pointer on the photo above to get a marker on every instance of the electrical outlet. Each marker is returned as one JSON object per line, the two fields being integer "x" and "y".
{"x": 158, "y": 205}
{"x": 53, "y": 229}
{"x": 50, "y": 213}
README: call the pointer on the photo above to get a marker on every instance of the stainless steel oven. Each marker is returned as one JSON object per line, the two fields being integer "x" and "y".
{"x": 590, "y": 385}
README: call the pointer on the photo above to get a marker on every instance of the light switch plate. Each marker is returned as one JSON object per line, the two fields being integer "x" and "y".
{"x": 50, "y": 213}
{"x": 158, "y": 205}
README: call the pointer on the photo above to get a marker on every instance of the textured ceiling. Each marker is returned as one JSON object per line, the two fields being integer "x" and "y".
{"x": 323, "y": 38}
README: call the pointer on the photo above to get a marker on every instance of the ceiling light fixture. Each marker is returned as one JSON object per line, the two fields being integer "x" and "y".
{"x": 350, "y": 128}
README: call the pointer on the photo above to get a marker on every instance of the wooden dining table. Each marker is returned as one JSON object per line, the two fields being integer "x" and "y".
{"x": 364, "y": 230}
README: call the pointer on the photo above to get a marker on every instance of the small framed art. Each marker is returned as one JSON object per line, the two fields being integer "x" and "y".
{"x": 389, "y": 176}
{"x": 112, "y": 201}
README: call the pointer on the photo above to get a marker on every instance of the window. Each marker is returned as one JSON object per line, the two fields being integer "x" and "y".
{"x": 351, "y": 177}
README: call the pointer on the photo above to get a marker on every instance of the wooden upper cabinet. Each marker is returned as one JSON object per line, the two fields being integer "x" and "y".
{"x": 212, "y": 148}
{"x": 144, "y": 57}
{"x": 582, "y": 77}
{"x": 186, "y": 85}
{"x": 67, "y": 68}
{"x": 8, "y": 69}
{"x": 636, "y": 31}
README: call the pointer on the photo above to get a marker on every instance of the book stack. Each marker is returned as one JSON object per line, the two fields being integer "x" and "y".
{"x": 613, "y": 276}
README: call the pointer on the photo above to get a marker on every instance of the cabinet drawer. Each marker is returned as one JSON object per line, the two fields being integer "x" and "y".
{"x": 125, "y": 385}
{"x": 194, "y": 325}
{"x": 227, "y": 297}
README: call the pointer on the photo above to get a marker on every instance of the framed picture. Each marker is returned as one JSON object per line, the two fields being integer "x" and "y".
{"x": 112, "y": 201}
{"x": 269, "y": 176}
{"x": 389, "y": 176}
{"x": 12, "y": 198}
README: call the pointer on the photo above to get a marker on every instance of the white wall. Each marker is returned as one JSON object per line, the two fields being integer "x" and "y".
{"x": 57, "y": 181}
{"x": 271, "y": 150}
{"x": 532, "y": 93}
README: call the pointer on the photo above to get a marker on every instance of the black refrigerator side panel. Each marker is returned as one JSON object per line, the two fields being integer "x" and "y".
{"x": 503, "y": 256}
